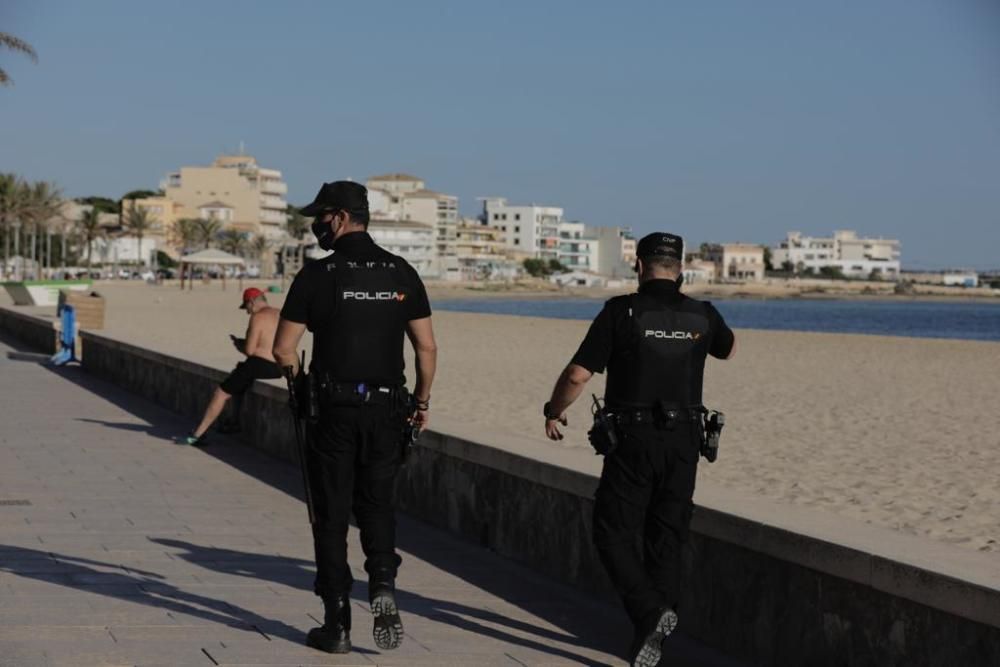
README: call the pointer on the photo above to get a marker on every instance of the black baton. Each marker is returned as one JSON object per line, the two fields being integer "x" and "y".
{"x": 299, "y": 438}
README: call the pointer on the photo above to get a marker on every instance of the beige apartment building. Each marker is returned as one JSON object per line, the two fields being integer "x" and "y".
{"x": 736, "y": 261}
{"x": 235, "y": 190}
{"x": 406, "y": 198}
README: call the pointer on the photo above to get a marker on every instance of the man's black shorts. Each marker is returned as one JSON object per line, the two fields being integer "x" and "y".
{"x": 253, "y": 368}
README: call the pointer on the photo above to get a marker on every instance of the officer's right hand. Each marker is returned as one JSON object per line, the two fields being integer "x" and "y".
{"x": 421, "y": 418}
{"x": 552, "y": 427}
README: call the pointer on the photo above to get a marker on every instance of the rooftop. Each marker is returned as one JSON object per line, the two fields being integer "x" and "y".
{"x": 395, "y": 177}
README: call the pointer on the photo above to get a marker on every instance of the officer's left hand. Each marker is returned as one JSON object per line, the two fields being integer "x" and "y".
{"x": 552, "y": 427}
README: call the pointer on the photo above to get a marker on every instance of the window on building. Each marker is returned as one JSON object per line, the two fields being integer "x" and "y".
{"x": 517, "y": 216}
{"x": 517, "y": 241}
{"x": 517, "y": 230}
{"x": 503, "y": 216}
{"x": 496, "y": 216}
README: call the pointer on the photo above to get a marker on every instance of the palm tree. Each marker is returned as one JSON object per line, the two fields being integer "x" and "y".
{"x": 297, "y": 224}
{"x": 12, "y": 207}
{"x": 90, "y": 229}
{"x": 8, "y": 41}
{"x": 232, "y": 241}
{"x": 138, "y": 221}
{"x": 44, "y": 202}
{"x": 186, "y": 233}
{"x": 208, "y": 230}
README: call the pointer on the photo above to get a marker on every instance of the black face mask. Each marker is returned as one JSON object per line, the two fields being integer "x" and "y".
{"x": 323, "y": 233}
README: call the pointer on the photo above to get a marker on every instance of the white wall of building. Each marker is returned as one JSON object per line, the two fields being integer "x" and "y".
{"x": 531, "y": 229}
{"x": 855, "y": 256}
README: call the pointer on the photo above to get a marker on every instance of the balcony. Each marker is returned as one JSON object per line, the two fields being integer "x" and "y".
{"x": 272, "y": 186}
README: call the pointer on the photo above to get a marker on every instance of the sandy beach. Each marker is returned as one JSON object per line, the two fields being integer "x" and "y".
{"x": 896, "y": 432}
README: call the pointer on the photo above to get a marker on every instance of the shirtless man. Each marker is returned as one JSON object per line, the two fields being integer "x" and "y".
{"x": 259, "y": 364}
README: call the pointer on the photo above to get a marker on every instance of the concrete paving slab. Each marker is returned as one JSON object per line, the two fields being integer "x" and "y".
{"x": 136, "y": 551}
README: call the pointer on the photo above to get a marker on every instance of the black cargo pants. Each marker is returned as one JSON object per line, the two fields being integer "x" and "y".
{"x": 353, "y": 456}
{"x": 644, "y": 498}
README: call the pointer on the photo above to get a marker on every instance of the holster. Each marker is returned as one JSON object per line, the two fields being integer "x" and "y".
{"x": 604, "y": 435}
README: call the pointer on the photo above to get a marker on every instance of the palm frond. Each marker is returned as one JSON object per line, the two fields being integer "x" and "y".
{"x": 15, "y": 44}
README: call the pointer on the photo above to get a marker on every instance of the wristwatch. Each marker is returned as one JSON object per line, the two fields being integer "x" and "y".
{"x": 546, "y": 413}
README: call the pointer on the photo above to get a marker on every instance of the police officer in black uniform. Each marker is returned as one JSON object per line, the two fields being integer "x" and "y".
{"x": 653, "y": 345}
{"x": 358, "y": 302}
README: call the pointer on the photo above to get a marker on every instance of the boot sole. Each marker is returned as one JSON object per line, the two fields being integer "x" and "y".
{"x": 388, "y": 628}
{"x": 651, "y": 651}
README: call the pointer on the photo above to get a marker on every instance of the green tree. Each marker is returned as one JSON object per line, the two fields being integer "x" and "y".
{"x": 555, "y": 266}
{"x": 44, "y": 202}
{"x": 90, "y": 230}
{"x": 142, "y": 194}
{"x": 232, "y": 241}
{"x": 164, "y": 261}
{"x": 102, "y": 204}
{"x": 537, "y": 268}
{"x": 297, "y": 224}
{"x": 787, "y": 266}
{"x": 768, "y": 259}
{"x": 208, "y": 230}
{"x": 832, "y": 272}
{"x": 13, "y": 201}
{"x": 8, "y": 41}
{"x": 138, "y": 221}
{"x": 187, "y": 233}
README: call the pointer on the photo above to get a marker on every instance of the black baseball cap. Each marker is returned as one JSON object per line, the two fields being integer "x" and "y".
{"x": 338, "y": 195}
{"x": 662, "y": 244}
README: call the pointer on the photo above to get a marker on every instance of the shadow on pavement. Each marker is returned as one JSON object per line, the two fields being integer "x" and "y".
{"x": 285, "y": 570}
{"x": 576, "y": 615}
{"x": 140, "y": 587}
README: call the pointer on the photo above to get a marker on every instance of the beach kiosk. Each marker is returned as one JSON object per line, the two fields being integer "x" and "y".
{"x": 208, "y": 257}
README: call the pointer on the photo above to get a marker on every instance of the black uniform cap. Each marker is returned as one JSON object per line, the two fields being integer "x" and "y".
{"x": 662, "y": 244}
{"x": 338, "y": 195}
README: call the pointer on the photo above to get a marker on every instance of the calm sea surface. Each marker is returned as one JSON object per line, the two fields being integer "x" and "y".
{"x": 918, "y": 319}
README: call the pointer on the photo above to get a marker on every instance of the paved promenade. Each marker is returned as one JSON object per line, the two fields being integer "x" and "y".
{"x": 118, "y": 547}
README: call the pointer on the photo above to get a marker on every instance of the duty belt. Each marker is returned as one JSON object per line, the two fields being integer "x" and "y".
{"x": 656, "y": 416}
{"x": 364, "y": 391}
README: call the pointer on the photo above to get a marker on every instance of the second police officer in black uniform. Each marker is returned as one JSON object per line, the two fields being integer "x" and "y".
{"x": 358, "y": 302}
{"x": 653, "y": 344}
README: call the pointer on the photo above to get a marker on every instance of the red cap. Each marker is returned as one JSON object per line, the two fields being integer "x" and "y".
{"x": 249, "y": 294}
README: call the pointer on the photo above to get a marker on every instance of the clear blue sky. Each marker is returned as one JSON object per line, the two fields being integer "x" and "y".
{"x": 726, "y": 120}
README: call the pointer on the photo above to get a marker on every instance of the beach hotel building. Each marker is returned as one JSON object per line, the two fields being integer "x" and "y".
{"x": 855, "y": 256}
{"x": 235, "y": 190}
{"x": 736, "y": 261}
{"x": 405, "y": 198}
{"x": 531, "y": 231}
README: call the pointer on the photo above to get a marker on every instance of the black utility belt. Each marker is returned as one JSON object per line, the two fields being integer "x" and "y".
{"x": 656, "y": 416}
{"x": 353, "y": 393}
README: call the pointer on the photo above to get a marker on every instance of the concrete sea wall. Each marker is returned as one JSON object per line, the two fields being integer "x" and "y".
{"x": 795, "y": 589}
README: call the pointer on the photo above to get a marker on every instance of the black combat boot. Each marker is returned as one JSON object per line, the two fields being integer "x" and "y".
{"x": 388, "y": 628}
{"x": 647, "y": 646}
{"x": 335, "y": 635}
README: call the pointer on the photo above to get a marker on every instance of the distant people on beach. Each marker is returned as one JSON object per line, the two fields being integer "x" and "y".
{"x": 258, "y": 365}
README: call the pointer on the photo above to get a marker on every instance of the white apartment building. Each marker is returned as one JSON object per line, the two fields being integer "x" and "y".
{"x": 415, "y": 242}
{"x": 405, "y": 198}
{"x": 855, "y": 256}
{"x": 615, "y": 251}
{"x": 481, "y": 252}
{"x": 577, "y": 250}
{"x": 233, "y": 189}
{"x": 736, "y": 261}
{"x": 531, "y": 231}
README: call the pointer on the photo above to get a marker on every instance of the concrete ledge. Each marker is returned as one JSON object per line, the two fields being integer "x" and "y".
{"x": 36, "y": 332}
{"x": 774, "y": 585}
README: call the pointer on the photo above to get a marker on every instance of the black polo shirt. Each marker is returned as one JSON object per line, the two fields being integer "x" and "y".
{"x": 357, "y": 302}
